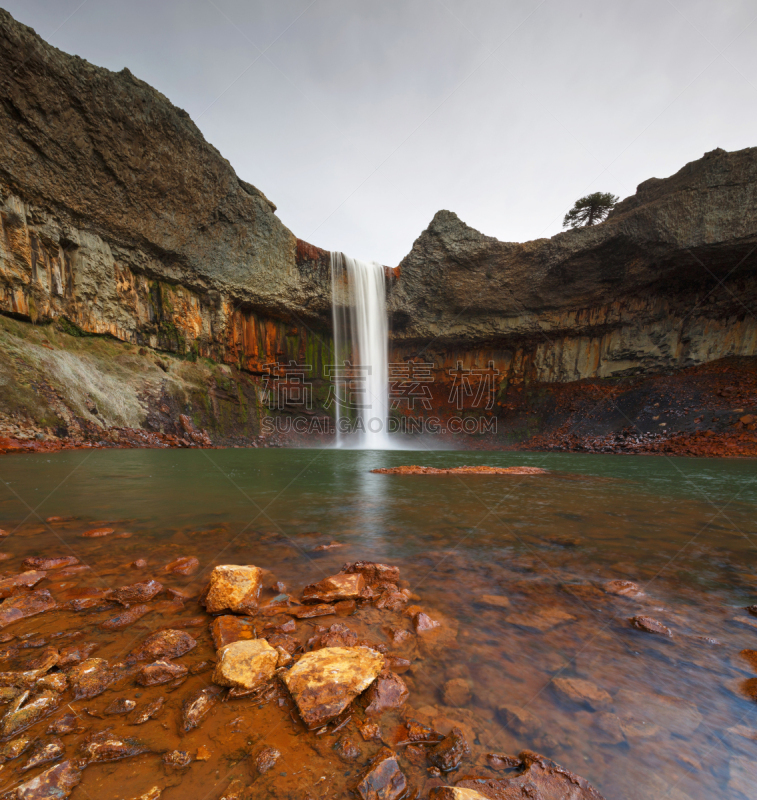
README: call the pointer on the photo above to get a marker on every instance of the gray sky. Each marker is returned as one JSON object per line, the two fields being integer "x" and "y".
{"x": 360, "y": 119}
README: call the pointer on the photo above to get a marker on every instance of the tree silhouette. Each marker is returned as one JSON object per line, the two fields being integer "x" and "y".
{"x": 590, "y": 210}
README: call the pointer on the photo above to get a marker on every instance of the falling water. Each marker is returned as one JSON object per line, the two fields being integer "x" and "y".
{"x": 360, "y": 344}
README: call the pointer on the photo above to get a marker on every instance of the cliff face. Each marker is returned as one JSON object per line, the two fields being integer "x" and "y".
{"x": 117, "y": 214}
{"x": 668, "y": 281}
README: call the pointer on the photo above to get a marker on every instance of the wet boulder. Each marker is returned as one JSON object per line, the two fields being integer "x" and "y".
{"x": 125, "y": 618}
{"x": 373, "y": 573}
{"x": 449, "y": 753}
{"x": 164, "y": 644}
{"x": 650, "y": 625}
{"x": 27, "y": 709}
{"x": 245, "y": 665}
{"x": 387, "y": 691}
{"x": 56, "y": 782}
{"x": 137, "y": 592}
{"x": 105, "y": 746}
{"x": 25, "y": 605}
{"x": 323, "y": 683}
{"x": 26, "y": 579}
{"x": 44, "y": 563}
{"x": 383, "y": 780}
{"x": 198, "y": 705}
{"x": 90, "y": 678}
{"x": 228, "y": 629}
{"x": 234, "y": 588}
{"x": 160, "y": 672}
{"x": 582, "y": 692}
{"x": 43, "y": 753}
{"x": 539, "y": 777}
{"x": 338, "y": 587}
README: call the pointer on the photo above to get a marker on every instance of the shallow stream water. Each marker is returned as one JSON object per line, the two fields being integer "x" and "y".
{"x": 673, "y": 720}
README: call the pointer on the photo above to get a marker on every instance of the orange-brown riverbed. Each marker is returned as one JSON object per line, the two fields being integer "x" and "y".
{"x": 535, "y": 648}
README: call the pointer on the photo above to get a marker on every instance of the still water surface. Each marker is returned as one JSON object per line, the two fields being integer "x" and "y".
{"x": 676, "y": 723}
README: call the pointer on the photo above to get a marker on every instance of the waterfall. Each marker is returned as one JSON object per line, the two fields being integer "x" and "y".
{"x": 361, "y": 372}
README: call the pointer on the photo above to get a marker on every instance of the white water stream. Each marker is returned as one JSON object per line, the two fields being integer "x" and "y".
{"x": 361, "y": 346}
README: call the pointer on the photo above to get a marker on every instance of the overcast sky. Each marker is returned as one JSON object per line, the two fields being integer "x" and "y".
{"x": 361, "y": 118}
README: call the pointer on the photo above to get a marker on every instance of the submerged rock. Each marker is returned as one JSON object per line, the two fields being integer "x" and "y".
{"x": 56, "y": 782}
{"x": 308, "y": 612}
{"x": 343, "y": 586}
{"x": 520, "y": 720}
{"x": 623, "y": 588}
{"x": 198, "y": 705}
{"x": 584, "y": 692}
{"x": 184, "y": 565}
{"x": 234, "y": 588}
{"x": 90, "y": 678}
{"x": 160, "y": 672}
{"x": 448, "y": 754}
{"x": 25, "y": 605}
{"x": 26, "y": 710}
{"x": 164, "y": 644}
{"x": 44, "y": 752}
{"x": 383, "y": 780}
{"x": 41, "y": 562}
{"x": 120, "y": 705}
{"x": 97, "y": 533}
{"x": 372, "y": 572}
{"x": 542, "y": 620}
{"x": 177, "y": 759}
{"x": 266, "y": 759}
{"x": 152, "y": 709}
{"x": 387, "y": 691}
{"x": 454, "y": 793}
{"x": 650, "y": 625}
{"x": 323, "y": 683}
{"x": 457, "y": 693}
{"x": 539, "y": 778}
{"x": 245, "y": 665}
{"x": 125, "y": 618}
{"x": 105, "y": 746}
{"x": 228, "y": 629}
{"x": 28, "y": 579}
{"x": 137, "y": 592}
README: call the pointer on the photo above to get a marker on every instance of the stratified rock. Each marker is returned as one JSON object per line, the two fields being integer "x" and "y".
{"x": 45, "y": 563}
{"x": 44, "y": 752}
{"x": 266, "y": 759}
{"x": 198, "y": 705}
{"x": 387, "y": 691}
{"x": 228, "y": 629}
{"x": 234, "y": 588}
{"x": 164, "y": 644}
{"x": 372, "y": 572}
{"x": 105, "y": 746}
{"x": 160, "y": 672}
{"x": 449, "y": 753}
{"x": 137, "y": 592}
{"x": 650, "y": 625}
{"x": 245, "y": 665}
{"x": 539, "y": 778}
{"x": 323, "y": 683}
{"x": 125, "y": 618}
{"x": 90, "y": 678}
{"x": 583, "y": 692}
{"x": 8, "y": 586}
{"x": 383, "y": 780}
{"x": 25, "y": 605}
{"x": 338, "y": 587}
{"x": 56, "y": 782}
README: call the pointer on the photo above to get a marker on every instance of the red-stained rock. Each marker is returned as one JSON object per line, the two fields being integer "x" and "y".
{"x": 582, "y": 692}
{"x": 383, "y": 780}
{"x": 373, "y": 572}
{"x": 266, "y": 759}
{"x": 198, "y": 705}
{"x": 43, "y": 563}
{"x": 184, "y": 565}
{"x": 75, "y": 653}
{"x": 90, "y": 678}
{"x": 449, "y": 753}
{"x": 137, "y": 592}
{"x": 125, "y": 618}
{"x": 160, "y": 672}
{"x": 650, "y": 625}
{"x": 96, "y": 533}
{"x": 104, "y": 746}
{"x": 28, "y": 579}
{"x": 121, "y": 705}
{"x": 177, "y": 759}
{"x": 148, "y": 712}
{"x": 164, "y": 644}
{"x": 539, "y": 778}
{"x": 26, "y": 605}
{"x": 388, "y": 691}
{"x": 43, "y": 753}
{"x": 345, "y": 608}
{"x": 140, "y": 563}
{"x": 456, "y": 692}
{"x": 337, "y": 587}
{"x": 282, "y": 641}
{"x": 246, "y": 665}
{"x": 346, "y": 748}
{"x": 520, "y": 721}
{"x": 26, "y": 710}
{"x": 234, "y": 588}
{"x": 338, "y": 635}
{"x": 228, "y": 629}
{"x": 392, "y": 601}
{"x": 422, "y": 622}
{"x": 307, "y": 612}
{"x": 623, "y": 588}
{"x": 56, "y": 782}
